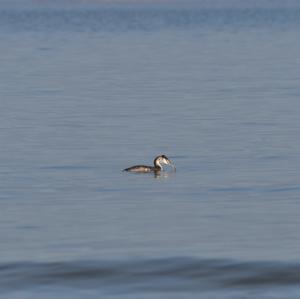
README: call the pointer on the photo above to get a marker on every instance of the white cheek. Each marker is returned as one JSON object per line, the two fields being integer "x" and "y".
{"x": 159, "y": 162}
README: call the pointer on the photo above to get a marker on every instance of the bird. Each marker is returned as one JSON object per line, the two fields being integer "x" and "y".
{"x": 158, "y": 162}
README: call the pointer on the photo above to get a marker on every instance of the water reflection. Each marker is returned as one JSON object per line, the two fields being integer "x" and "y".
{"x": 163, "y": 174}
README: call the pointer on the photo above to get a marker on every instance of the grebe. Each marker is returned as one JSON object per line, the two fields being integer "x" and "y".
{"x": 158, "y": 161}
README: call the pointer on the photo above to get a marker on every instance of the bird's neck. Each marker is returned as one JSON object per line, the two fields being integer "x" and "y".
{"x": 157, "y": 164}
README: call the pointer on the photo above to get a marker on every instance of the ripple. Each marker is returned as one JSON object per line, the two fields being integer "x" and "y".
{"x": 155, "y": 275}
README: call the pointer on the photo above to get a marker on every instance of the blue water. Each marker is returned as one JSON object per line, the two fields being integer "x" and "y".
{"x": 89, "y": 89}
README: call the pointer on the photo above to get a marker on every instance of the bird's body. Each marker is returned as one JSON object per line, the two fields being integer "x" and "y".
{"x": 158, "y": 162}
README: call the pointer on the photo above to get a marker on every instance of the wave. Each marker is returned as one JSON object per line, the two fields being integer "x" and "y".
{"x": 129, "y": 18}
{"x": 165, "y": 274}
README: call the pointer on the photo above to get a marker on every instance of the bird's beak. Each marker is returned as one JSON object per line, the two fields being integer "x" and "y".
{"x": 172, "y": 165}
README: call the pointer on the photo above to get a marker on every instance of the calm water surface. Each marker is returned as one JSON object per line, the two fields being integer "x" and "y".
{"x": 86, "y": 91}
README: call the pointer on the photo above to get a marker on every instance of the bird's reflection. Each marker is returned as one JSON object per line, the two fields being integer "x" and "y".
{"x": 163, "y": 174}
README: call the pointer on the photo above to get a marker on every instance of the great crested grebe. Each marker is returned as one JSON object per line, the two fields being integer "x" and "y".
{"x": 158, "y": 161}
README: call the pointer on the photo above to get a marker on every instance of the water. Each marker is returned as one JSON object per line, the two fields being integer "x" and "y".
{"x": 89, "y": 89}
